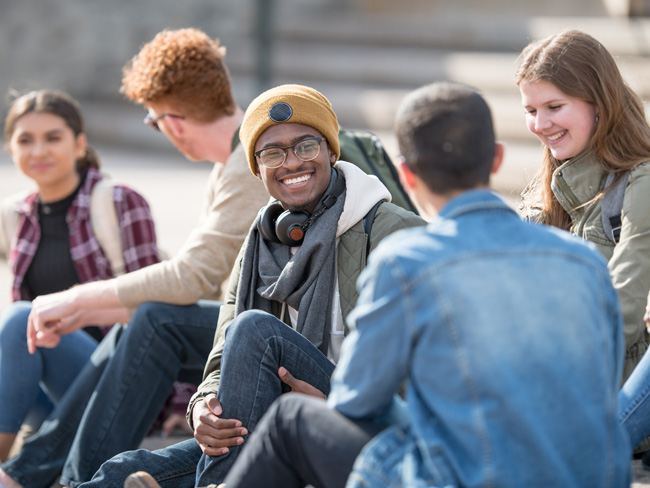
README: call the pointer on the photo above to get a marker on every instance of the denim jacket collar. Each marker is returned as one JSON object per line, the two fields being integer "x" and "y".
{"x": 473, "y": 201}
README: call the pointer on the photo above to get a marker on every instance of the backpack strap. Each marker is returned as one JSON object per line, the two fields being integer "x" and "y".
{"x": 612, "y": 205}
{"x": 105, "y": 225}
{"x": 9, "y": 220}
{"x": 368, "y": 220}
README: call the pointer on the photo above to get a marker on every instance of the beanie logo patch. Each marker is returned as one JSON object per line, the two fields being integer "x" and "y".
{"x": 280, "y": 112}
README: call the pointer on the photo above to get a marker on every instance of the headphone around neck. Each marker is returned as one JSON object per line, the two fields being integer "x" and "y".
{"x": 279, "y": 225}
{"x": 288, "y": 226}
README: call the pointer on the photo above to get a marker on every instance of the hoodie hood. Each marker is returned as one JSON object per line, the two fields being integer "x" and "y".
{"x": 363, "y": 191}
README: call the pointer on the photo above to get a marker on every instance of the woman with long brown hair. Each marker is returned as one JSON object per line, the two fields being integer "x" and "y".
{"x": 592, "y": 125}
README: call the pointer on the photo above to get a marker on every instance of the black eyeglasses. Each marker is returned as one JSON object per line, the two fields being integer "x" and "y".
{"x": 152, "y": 121}
{"x": 305, "y": 150}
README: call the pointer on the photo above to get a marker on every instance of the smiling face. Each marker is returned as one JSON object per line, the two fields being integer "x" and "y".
{"x": 45, "y": 149}
{"x": 564, "y": 124}
{"x": 298, "y": 185}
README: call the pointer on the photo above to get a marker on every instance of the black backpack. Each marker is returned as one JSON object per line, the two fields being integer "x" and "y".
{"x": 365, "y": 150}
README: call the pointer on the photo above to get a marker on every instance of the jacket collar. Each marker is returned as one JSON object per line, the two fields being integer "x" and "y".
{"x": 578, "y": 180}
{"x": 474, "y": 201}
{"x": 80, "y": 208}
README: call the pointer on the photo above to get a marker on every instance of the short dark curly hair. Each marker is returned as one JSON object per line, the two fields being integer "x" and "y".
{"x": 184, "y": 67}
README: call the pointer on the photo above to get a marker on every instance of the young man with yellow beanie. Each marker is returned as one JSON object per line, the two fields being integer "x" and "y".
{"x": 291, "y": 289}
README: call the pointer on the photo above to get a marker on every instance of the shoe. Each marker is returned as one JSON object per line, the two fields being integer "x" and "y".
{"x": 140, "y": 479}
{"x": 645, "y": 460}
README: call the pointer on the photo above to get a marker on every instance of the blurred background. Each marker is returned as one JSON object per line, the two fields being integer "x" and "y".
{"x": 364, "y": 55}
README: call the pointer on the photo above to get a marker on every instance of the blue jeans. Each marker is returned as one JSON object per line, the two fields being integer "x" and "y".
{"x": 115, "y": 400}
{"x": 257, "y": 344}
{"x": 634, "y": 402}
{"x": 31, "y": 383}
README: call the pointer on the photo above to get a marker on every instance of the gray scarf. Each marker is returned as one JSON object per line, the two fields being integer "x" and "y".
{"x": 304, "y": 281}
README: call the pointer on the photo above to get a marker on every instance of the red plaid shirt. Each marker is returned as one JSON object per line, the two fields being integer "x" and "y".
{"x": 136, "y": 226}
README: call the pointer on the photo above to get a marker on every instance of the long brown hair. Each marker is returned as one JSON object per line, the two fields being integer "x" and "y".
{"x": 581, "y": 67}
{"x": 56, "y": 103}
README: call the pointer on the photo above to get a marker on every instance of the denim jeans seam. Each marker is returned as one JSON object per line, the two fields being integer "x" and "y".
{"x": 97, "y": 443}
{"x": 176, "y": 473}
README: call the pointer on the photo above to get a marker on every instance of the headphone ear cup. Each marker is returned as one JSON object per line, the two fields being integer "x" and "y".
{"x": 266, "y": 224}
{"x": 288, "y": 227}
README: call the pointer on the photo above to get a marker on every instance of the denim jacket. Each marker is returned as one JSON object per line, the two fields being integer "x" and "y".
{"x": 510, "y": 335}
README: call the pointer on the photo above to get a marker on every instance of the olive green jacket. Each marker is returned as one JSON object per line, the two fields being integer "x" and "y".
{"x": 351, "y": 259}
{"x": 576, "y": 183}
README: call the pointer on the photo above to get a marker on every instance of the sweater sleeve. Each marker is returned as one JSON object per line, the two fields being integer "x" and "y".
{"x": 205, "y": 261}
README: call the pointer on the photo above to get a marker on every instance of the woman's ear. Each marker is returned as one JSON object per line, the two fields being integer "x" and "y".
{"x": 81, "y": 143}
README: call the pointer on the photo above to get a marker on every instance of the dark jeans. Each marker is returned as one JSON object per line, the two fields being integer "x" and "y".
{"x": 301, "y": 441}
{"x": 257, "y": 344}
{"x": 116, "y": 398}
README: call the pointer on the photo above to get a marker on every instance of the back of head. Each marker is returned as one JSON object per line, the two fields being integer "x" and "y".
{"x": 185, "y": 68}
{"x": 445, "y": 134}
{"x": 56, "y": 103}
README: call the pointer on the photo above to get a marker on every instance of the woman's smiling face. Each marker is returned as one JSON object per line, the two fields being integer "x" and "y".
{"x": 45, "y": 149}
{"x": 564, "y": 124}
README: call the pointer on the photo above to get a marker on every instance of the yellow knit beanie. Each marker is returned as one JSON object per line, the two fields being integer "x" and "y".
{"x": 296, "y": 104}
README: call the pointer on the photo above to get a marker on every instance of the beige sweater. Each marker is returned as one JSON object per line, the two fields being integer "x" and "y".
{"x": 201, "y": 268}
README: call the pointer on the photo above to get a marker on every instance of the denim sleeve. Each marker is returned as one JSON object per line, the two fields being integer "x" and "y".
{"x": 374, "y": 357}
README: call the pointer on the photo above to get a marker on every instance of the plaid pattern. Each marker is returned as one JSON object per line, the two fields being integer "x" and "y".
{"x": 136, "y": 227}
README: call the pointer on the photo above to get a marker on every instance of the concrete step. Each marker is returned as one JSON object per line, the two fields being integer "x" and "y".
{"x": 365, "y": 64}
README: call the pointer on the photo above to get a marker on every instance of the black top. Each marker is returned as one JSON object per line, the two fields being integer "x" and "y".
{"x": 52, "y": 268}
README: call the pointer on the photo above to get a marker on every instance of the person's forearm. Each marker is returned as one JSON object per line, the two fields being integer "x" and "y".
{"x": 96, "y": 295}
{"x": 106, "y": 316}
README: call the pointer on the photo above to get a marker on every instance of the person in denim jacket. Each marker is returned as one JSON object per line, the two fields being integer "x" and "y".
{"x": 510, "y": 383}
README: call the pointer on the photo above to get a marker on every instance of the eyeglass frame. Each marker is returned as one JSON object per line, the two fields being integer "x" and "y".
{"x": 152, "y": 121}
{"x": 285, "y": 150}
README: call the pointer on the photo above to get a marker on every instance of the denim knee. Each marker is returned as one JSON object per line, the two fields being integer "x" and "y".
{"x": 253, "y": 322}
{"x": 13, "y": 324}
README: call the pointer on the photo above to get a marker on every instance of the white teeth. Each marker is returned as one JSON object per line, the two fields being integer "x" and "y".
{"x": 294, "y": 181}
{"x": 556, "y": 136}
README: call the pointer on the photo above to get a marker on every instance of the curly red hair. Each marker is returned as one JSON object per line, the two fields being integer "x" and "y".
{"x": 184, "y": 67}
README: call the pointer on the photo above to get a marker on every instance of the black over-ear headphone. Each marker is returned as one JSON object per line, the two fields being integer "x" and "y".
{"x": 289, "y": 226}
{"x": 279, "y": 225}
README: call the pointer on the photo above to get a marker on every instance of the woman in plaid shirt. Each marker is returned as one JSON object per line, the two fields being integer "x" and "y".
{"x": 53, "y": 248}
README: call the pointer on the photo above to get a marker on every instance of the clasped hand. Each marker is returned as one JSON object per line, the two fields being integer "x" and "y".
{"x": 215, "y": 435}
{"x": 51, "y": 316}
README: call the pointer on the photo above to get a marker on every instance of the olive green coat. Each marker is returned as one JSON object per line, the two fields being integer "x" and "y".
{"x": 575, "y": 184}
{"x": 351, "y": 259}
